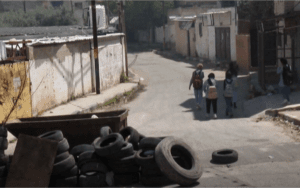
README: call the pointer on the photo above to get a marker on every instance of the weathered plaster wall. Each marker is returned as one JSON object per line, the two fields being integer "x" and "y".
{"x": 192, "y": 42}
{"x": 181, "y": 40}
{"x": 60, "y": 72}
{"x": 202, "y": 42}
{"x": 243, "y": 53}
{"x": 211, "y": 43}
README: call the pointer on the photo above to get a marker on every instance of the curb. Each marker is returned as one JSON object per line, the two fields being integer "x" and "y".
{"x": 277, "y": 113}
{"x": 289, "y": 118}
{"x": 95, "y": 106}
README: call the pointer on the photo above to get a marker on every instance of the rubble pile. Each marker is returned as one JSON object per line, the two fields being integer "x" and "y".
{"x": 123, "y": 159}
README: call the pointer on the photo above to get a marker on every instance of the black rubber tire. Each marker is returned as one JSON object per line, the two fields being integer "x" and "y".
{"x": 125, "y": 169}
{"x": 88, "y": 156}
{"x": 141, "y": 137}
{"x": 145, "y": 161}
{"x": 53, "y": 135}
{"x": 98, "y": 180}
{"x": 4, "y": 159}
{"x": 126, "y": 179}
{"x": 126, "y": 150}
{"x": 105, "y": 131}
{"x": 63, "y": 146}
{"x": 93, "y": 167}
{"x": 109, "y": 145}
{"x": 3, "y": 143}
{"x": 155, "y": 181}
{"x": 95, "y": 141}
{"x": 61, "y": 157}
{"x": 149, "y": 143}
{"x": 171, "y": 169}
{"x": 63, "y": 166}
{"x": 134, "y": 136}
{"x": 2, "y": 182}
{"x": 67, "y": 182}
{"x": 151, "y": 172}
{"x": 77, "y": 150}
{"x": 3, "y": 171}
{"x": 3, "y": 131}
{"x": 69, "y": 173}
{"x": 224, "y": 156}
{"x": 130, "y": 160}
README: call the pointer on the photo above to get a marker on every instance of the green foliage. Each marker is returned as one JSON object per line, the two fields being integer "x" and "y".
{"x": 253, "y": 10}
{"x": 124, "y": 78}
{"x": 38, "y": 17}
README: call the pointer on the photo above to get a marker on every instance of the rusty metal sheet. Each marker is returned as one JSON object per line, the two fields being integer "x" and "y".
{"x": 32, "y": 162}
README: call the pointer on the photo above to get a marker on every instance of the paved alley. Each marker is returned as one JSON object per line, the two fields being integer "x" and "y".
{"x": 167, "y": 108}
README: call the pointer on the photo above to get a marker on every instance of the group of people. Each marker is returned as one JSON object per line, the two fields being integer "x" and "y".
{"x": 210, "y": 88}
{"x": 230, "y": 87}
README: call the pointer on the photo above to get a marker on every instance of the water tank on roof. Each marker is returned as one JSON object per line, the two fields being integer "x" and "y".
{"x": 100, "y": 17}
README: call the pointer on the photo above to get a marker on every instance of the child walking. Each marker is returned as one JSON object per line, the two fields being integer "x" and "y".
{"x": 210, "y": 89}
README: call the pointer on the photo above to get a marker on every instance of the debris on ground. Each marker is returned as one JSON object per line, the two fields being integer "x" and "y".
{"x": 271, "y": 157}
{"x": 126, "y": 158}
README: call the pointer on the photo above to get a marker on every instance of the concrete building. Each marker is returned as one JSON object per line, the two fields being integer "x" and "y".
{"x": 280, "y": 39}
{"x": 79, "y": 8}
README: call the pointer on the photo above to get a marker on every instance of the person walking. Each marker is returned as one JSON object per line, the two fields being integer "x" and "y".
{"x": 234, "y": 74}
{"x": 286, "y": 80}
{"x": 197, "y": 81}
{"x": 210, "y": 89}
{"x": 228, "y": 93}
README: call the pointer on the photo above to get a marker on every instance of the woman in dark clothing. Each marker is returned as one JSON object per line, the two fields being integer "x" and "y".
{"x": 234, "y": 74}
{"x": 210, "y": 88}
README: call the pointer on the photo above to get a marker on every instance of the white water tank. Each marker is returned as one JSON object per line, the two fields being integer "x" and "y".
{"x": 100, "y": 17}
{"x": 3, "y": 55}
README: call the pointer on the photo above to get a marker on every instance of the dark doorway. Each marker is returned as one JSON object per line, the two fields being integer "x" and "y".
{"x": 223, "y": 44}
{"x": 253, "y": 41}
{"x": 189, "y": 46}
{"x": 270, "y": 50}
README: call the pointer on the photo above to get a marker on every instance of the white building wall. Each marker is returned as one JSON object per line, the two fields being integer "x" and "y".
{"x": 59, "y": 72}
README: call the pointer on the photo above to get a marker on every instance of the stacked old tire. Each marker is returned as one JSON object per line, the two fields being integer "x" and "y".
{"x": 151, "y": 174}
{"x": 65, "y": 170}
{"x": 4, "y": 159}
{"x": 119, "y": 154}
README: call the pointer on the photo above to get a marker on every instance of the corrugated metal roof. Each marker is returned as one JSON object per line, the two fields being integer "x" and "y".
{"x": 57, "y": 40}
{"x": 214, "y": 12}
{"x": 182, "y": 18}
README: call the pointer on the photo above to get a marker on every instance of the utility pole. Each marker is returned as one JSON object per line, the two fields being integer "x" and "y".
{"x": 163, "y": 18}
{"x": 95, "y": 38}
{"x": 122, "y": 16}
{"x": 24, "y": 4}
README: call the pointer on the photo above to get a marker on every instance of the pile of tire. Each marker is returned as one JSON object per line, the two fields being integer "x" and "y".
{"x": 65, "y": 170}
{"x": 119, "y": 154}
{"x": 4, "y": 159}
{"x": 151, "y": 174}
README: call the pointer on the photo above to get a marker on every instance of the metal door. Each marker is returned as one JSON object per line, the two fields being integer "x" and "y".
{"x": 223, "y": 44}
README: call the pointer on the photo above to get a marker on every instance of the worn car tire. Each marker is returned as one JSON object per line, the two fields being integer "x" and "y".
{"x": 2, "y": 182}
{"x": 171, "y": 169}
{"x": 126, "y": 179}
{"x": 3, "y": 131}
{"x": 77, "y": 150}
{"x": 134, "y": 136}
{"x": 3, "y": 143}
{"x": 224, "y": 156}
{"x": 3, "y": 171}
{"x": 105, "y": 131}
{"x": 151, "y": 171}
{"x": 61, "y": 157}
{"x": 129, "y": 160}
{"x": 88, "y": 156}
{"x": 69, "y": 173}
{"x": 63, "y": 146}
{"x": 63, "y": 166}
{"x": 93, "y": 167}
{"x": 109, "y": 145}
{"x": 126, "y": 150}
{"x": 95, "y": 141}
{"x": 145, "y": 161}
{"x": 149, "y": 143}
{"x": 97, "y": 180}
{"x": 4, "y": 159}
{"x": 67, "y": 182}
{"x": 155, "y": 181}
{"x": 125, "y": 169}
{"x": 53, "y": 135}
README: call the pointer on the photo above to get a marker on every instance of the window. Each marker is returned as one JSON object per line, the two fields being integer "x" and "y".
{"x": 57, "y": 3}
{"x": 78, "y": 5}
{"x": 200, "y": 29}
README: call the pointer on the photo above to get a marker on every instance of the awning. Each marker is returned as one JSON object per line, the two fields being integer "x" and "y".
{"x": 186, "y": 25}
{"x": 213, "y": 12}
{"x": 182, "y": 19}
